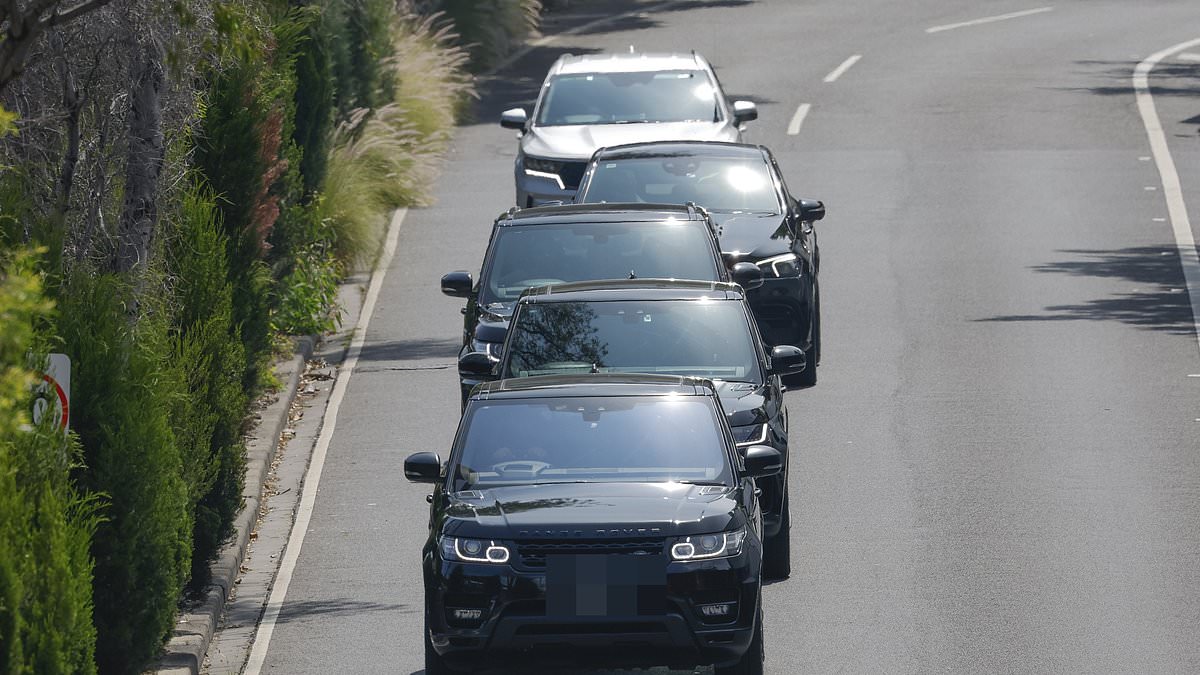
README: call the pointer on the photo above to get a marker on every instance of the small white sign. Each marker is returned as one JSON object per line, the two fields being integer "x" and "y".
{"x": 53, "y": 393}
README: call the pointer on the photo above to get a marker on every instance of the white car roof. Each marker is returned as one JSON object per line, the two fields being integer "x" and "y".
{"x": 627, "y": 63}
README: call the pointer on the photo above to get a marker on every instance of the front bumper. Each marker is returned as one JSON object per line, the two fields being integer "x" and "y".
{"x": 515, "y": 625}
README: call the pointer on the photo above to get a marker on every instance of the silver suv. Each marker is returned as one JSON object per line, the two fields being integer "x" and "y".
{"x": 593, "y": 101}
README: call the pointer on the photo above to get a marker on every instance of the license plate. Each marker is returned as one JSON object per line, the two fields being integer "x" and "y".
{"x": 605, "y": 585}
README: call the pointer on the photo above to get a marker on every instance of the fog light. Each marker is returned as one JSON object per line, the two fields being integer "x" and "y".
{"x": 467, "y": 614}
{"x": 718, "y": 610}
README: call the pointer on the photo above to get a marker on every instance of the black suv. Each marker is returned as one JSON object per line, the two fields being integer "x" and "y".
{"x": 695, "y": 328}
{"x": 758, "y": 220}
{"x": 606, "y": 519}
{"x": 557, "y": 244}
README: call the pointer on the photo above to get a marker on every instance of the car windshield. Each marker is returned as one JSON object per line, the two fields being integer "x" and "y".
{"x": 716, "y": 183}
{"x": 710, "y": 339}
{"x": 591, "y": 439}
{"x": 537, "y": 255}
{"x": 625, "y": 98}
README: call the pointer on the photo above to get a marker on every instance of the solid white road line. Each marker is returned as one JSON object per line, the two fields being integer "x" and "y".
{"x": 988, "y": 19}
{"x": 312, "y": 478}
{"x": 1185, "y": 243}
{"x": 798, "y": 119}
{"x": 841, "y": 70}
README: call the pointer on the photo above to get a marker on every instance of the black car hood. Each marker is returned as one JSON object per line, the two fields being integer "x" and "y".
{"x": 590, "y": 510}
{"x": 744, "y": 403}
{"x": 752, "y": 236}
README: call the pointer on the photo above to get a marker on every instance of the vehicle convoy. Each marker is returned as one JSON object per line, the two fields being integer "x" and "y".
{"x": 557, "y": 244}
{"x": 693, "y": 328}
{"x": 591, "y": 101}
{"x": 604, "y": 519}
{"x": 758, "y": 221}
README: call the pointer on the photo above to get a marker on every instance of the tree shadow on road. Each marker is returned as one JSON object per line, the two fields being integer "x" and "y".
{"x": 298, "y": 611}
{"x": 443, "y": 349}
{"x": 1160, "y": 302}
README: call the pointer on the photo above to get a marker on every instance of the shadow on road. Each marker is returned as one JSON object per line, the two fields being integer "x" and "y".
{"x": 298, "y": 611}
{"x": 411, "y": 350}
{"x": 1159, "y": 303}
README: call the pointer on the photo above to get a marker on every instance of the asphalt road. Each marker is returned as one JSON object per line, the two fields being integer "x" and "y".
{"x": 999, "y": 469}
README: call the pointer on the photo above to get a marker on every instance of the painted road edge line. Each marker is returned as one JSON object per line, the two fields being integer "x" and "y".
{"x": 841, "y": 70}
{"x": 312, "y": 477}
{"x": 798, "y": 119}
{"x": 988, "y": 19}
{"x": 1185, "y": 242}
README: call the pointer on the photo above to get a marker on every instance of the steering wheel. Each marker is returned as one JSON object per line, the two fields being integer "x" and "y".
{"x": 520, "y": 468}
{"x": 530, "y": 283}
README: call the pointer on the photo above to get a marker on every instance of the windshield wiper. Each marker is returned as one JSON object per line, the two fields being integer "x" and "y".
{"x": 702, "y": 483}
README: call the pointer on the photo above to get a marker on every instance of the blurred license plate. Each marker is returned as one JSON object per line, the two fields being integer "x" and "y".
{"x": 605, "y": 585}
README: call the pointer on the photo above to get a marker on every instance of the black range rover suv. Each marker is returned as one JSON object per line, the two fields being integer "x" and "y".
{"x": 557, "y": 244}
{"x": 696, "y": 328}
{"x": 758, "y": 220}
{"x": 602, "y": 519}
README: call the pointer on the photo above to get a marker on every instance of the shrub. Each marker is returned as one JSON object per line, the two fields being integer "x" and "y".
{"x": 123, "y": 393}
{"x": 208, "y": 352}
{"x": 491, "y": 29}
{"x": 389, "y": 158}
{"x": 45, "y": 525}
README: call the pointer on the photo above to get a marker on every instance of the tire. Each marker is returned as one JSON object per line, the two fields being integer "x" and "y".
{"x": 434, "y": 663}
{"x": 812, "y": 355}
{"x": 777, "y": 551}
{"x": 751, "y": 662}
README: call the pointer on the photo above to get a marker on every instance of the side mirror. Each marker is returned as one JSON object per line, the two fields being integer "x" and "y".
{"x": 458, "y": 284}
{"x": 760, "y": 461}
{"x": 747, "y": 275}
{"x": 514, "y": 118}
{"x": 787, "y": 360}
{"x": 810, "y": 209}
{"x": 423, "y": 467}
{"x": 744, "y": 111}
{"x": 476, "y": 365}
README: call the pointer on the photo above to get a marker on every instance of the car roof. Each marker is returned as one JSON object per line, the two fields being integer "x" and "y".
{"x": 619, "y": 62}
{"x": 680, "y": 148}
{"x": 600, "y": 213}
{"x": 633, "y": 289}
{"x": 598, "y": 384}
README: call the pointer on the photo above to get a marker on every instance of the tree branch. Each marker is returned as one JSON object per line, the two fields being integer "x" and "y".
{"x": 60, "y": 17}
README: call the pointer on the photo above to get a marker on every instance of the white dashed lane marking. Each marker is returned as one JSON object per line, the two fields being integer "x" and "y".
{"x": 798, "y": 119}
{"x": 988, "y": 19}
{"x": 841, "y": 70}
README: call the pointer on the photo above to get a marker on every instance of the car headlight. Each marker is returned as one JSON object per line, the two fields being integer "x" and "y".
{"x": 473, "y": 550}
{"x": 539, "y": 165}
{"x": 786, "y": 265}
{"x": 492, "y": 349}
{"x": 751, "y": 434}
{"x": 709, "y": 546}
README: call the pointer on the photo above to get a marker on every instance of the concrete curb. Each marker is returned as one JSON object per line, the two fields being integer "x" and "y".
{"x": 184, "y": 653}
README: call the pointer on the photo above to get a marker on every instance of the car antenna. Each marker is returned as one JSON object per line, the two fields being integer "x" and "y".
{"x": 632, "y": 275}
{"x": 595, "y": 369}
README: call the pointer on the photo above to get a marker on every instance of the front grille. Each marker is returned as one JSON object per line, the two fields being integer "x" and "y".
{"x": 532, "y": 553}
{"x": 591, "y": 628}
{"x": 571, "y": 173}
{"x": 779, "y": 324}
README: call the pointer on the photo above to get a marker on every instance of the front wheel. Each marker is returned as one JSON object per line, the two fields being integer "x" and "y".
{"x": 435, "y": 664}
{"x": 777, "y": 553}
{"x": 751, "y": 662}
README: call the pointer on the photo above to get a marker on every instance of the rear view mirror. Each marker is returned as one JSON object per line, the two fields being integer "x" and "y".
{"x": 423, "y": 467}
{"x": 514, "y": 118}
{"x": 457, "y": 284}
{"x": 810, "y": 209}
{"x": 747, "y": 275}
{"x": 787, "y": 360}
{"x": 744, "y": 111}
{"x": 476, "y": 365}
{"x": 760, "y": 461}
